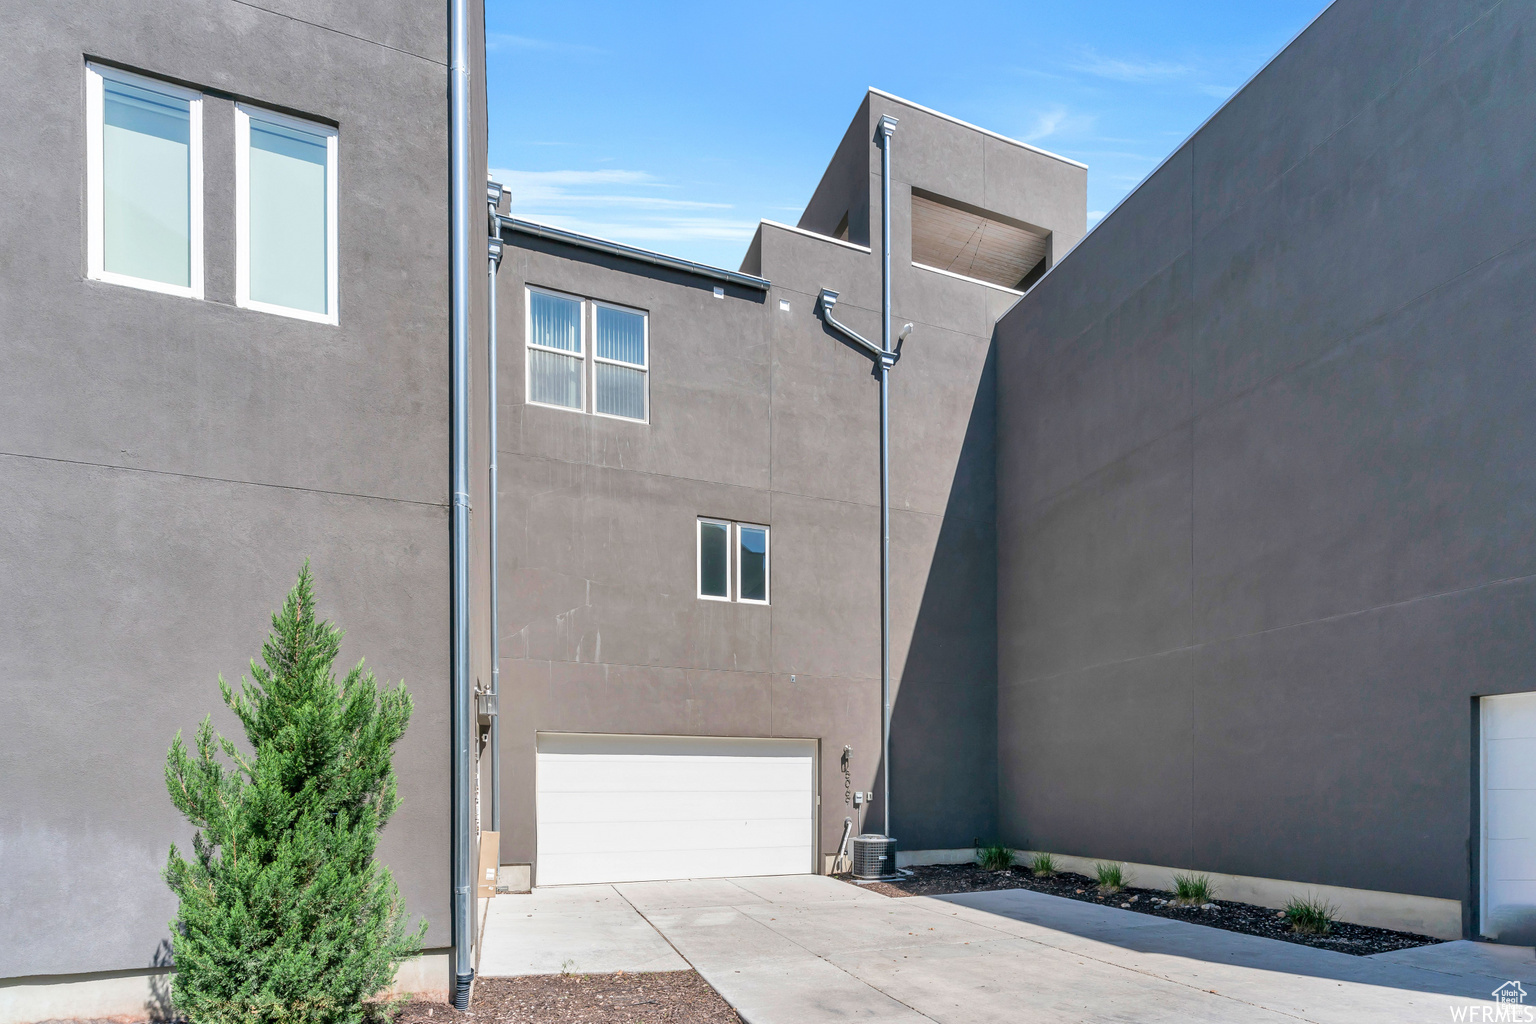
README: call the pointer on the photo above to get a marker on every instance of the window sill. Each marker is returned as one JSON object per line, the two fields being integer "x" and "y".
{"x": 146, "y": 285}
{"x": 293, "y": 314}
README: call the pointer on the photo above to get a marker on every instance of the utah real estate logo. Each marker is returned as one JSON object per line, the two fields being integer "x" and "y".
{"x": 1509, "y": 1000}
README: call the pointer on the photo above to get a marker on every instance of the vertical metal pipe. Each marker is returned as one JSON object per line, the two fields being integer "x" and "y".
{"x": 462, "y": 209}
{"x": 887, "y": 127}
{"x": 493, "y": 199}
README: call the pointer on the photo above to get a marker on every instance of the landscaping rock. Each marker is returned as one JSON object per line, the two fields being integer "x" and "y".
{"x": 1228, "y": 915}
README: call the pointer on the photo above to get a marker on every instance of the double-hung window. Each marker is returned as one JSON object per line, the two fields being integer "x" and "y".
{"x": 619, "y": 362}
{"x": 563, "y": 369}
{"x": 285, "y": 215}
{"x": 144, "y": 181}
{"x": 556, "y": 345}
{"x": 732, "y": 561}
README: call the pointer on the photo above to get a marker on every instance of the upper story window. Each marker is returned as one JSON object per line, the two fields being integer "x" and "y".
{"x": 144, "y": 171}
{"x": 619, "y": 364}
{"x": 555, "y": 348}
{"x": 733, "y": 561}
{"x": 558, "y": 363}
{"x": 285, "y": 215}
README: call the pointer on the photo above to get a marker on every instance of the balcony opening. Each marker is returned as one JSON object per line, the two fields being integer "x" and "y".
{"x": 963, "y": 239}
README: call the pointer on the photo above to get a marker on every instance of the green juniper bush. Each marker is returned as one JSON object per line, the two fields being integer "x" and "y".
{"x": 284, "y": 915}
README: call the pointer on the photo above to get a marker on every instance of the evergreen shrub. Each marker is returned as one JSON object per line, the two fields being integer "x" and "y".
{"x": 284, "y": 915}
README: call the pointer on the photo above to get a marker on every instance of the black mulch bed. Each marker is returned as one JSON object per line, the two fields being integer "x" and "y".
{"x": 945, "y": 879}
{"x": 670, "y": 997}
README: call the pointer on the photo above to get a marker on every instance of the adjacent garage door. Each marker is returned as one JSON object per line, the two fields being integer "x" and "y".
{"x": 1509, "y": 818}
{"x": 635, "y": 808}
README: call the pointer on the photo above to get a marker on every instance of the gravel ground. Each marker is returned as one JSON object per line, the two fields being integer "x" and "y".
{"x": 945, "y": 879}
{"x": 672, "y": 997}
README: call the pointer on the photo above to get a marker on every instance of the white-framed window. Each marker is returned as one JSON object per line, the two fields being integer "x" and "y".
{"x": 144, "y": 182}
{"x": 733, "y": 561}
{"x": 286, "y": 236}
{"x": 620, "y": 351}
{"x": 714, "y": 559}
{"x": 556, "y": 350}
{"x": 563, "y": 370}
{"x": 751, "y": 563}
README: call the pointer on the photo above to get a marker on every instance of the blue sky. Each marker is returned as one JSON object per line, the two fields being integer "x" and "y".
{"x": 678, "y": 126}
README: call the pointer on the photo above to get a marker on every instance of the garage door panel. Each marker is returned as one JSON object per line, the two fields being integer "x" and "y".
{"x": 651, "y": 866}
{"x": 1509, "y": 763}
{"x": 1510, "y": 864}
{"x": 634, "y": 808}
{"x": 1511, "y": 814}
{"x": 686, "y": 835}
{"x": 554, "y": 744}
{"x": 1515, "y": 717}
{"x": 1509, "y": 817}
{"x": 567, "y": 807}
{"x": 652, "y": 774}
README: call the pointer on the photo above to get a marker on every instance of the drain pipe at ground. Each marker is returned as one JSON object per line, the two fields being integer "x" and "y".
{"x": 842, "y": 847}
{"x": 887, "y": 129}
{"x": 885, "y": 356}
{"x": 493, "y": 192}
{"x": 462, "y": 210}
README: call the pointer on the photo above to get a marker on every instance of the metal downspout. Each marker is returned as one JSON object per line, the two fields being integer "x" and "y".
{"x": 461, "y": 214}
{"x": 887, "y": 128}
{"x": 493, "y": 200}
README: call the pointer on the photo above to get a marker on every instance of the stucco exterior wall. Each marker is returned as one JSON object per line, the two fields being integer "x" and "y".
{"x": 168, "y": 463}
{"x": 1264, "y": 472}
{"x": 762, "y": 414}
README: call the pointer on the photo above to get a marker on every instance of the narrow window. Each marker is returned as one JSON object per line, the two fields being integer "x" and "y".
{"x": 619, "y": 363}
{"x": 285, "y": 215}
{"x": 752, "y": 563}
{"x": 144, "y": 173}
{"x": 554, "y": 350}
{"x": 714, "y": 560}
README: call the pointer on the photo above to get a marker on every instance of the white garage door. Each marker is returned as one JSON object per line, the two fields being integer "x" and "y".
{"x": 1509, "y": 817}
{"x": 635, "y": 808}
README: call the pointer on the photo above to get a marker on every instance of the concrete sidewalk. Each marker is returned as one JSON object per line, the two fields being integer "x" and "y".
{"x": 802, "y": 949}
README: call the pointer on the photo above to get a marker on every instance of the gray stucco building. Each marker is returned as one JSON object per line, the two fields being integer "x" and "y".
{"x": 182, "y": 428}
{"x": 1264, "y": 485}
{"x": 1210, "y": 528}
{"x": 759, "y": 414}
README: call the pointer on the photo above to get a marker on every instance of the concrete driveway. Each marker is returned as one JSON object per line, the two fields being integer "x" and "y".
{"x": 802, "y": 949}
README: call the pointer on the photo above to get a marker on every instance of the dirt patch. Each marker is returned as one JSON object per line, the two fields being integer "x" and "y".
{"x": 670, "y": 997}
{"x": 947, "y": 879}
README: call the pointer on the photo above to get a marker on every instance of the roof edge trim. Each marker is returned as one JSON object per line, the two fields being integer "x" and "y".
{"x": 630, "y": 252}
{"x": 966, "y": 277}
{"x": 978, "y": 128}
{"x": 855, "y": 246}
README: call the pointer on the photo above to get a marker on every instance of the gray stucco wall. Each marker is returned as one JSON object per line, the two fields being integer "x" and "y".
{"x": 1264, "y": 476}
{"x": 763, "y": 415}
{"x": 167, "y": 463}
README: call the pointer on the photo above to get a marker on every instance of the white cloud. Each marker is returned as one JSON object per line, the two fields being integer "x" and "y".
{"x": 567, "y": 189}
{"x": 1094, "y": 216}
{"x": 1114, "y": 154}
{"x": 623, "y": 205}
{"x": 1092, "y": 63}
{"x": 1058, "y": 121}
